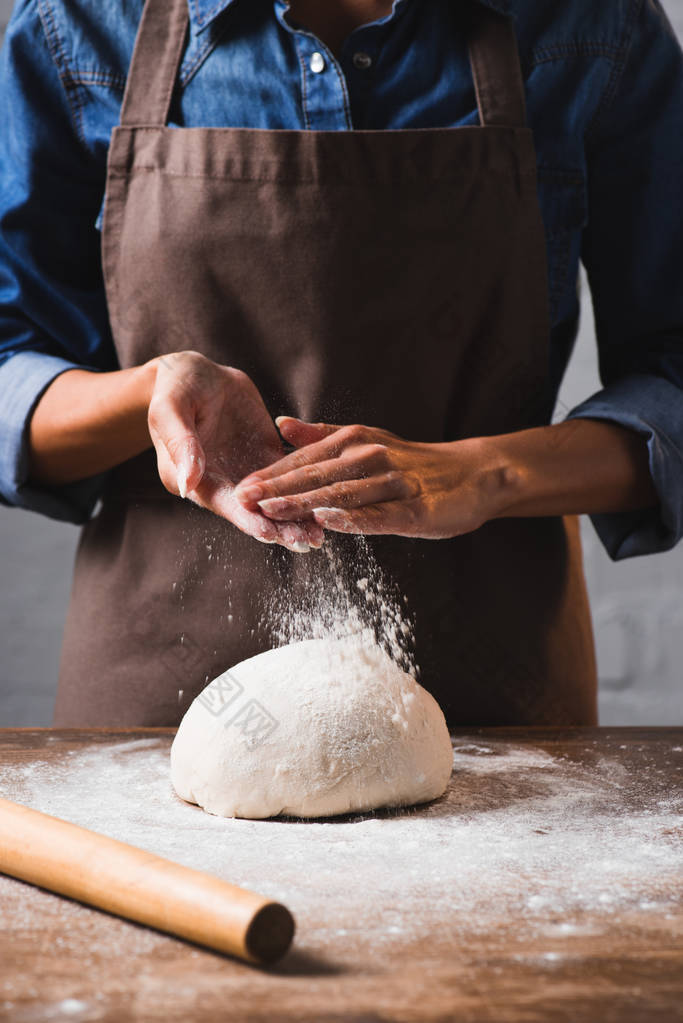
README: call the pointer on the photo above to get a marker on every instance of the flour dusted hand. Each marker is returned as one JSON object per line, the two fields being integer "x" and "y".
{"x": 312, "y": 729}
{"x": 209, "y": 426}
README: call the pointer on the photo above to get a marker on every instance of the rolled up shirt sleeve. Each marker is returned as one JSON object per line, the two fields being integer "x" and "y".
{"x": 53, "y": 313}
{"x": 633, "y": 253}
{"x": 653, "y": 408}
{"x": 23, "y": 379}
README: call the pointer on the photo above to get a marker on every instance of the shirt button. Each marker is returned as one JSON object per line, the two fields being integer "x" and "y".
{"x": 317, "y": 63}
{"x": 362, "y": 60}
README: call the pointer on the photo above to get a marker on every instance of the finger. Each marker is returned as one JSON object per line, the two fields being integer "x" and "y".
{"x": 321, "y": 451}
{"x": 172, "y": 426}
{"x": 176, "y": 479}
{"x": 297, "y": 537}
{"x": 373, "y": 519}
{"x": 313, "y": 477}
{"x": 249, "y": 489}
{"x": 353, "y": 493}
{"x": 217, "y": 496}
{"x": 190, "y": 466}
{"x": 297, "y": 432}
{"x": 359, "y": 462}
{"x": 301, "y": 537}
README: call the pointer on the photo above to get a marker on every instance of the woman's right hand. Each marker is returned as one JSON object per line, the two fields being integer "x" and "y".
{"x": 210, "y": 429}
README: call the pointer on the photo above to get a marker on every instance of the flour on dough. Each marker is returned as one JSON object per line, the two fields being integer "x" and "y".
{"x": 312, "y": 729}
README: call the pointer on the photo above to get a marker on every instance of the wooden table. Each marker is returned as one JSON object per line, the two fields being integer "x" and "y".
{"x": 546, "y": 885}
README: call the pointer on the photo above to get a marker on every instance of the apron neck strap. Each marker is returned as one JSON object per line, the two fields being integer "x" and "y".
{"x": 161, "y": 36}
{"x": 496, "y": 69}
{"x": 153, "y": 71}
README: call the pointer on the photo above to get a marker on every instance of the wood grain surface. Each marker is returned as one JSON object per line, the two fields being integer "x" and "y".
{"x": 546, "y": 885}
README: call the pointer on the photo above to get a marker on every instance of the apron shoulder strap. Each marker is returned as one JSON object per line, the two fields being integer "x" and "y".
{"x": 496, "y": 69}
{"x": 494, "y": 58}
{"x": 156, "y": 59}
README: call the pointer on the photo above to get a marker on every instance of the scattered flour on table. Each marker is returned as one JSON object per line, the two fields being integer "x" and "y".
{"x": 520, "y": 836}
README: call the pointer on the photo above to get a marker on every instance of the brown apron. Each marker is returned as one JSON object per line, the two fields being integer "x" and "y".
{"x": 392, "y": 278}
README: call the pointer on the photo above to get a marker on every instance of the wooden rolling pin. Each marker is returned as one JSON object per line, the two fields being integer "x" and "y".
{"x": 132, "y": 883}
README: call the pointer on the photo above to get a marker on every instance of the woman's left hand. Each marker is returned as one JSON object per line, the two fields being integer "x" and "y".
{"x": 358, "y": 479}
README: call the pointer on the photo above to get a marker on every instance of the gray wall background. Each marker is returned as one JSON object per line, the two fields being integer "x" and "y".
{"x": 637, "y": 605}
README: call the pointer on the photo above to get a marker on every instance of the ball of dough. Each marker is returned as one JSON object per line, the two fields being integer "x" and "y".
{"x": 312, "y": 729}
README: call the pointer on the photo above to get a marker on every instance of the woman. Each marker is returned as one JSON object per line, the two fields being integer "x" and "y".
{"x": 324, "y": 268}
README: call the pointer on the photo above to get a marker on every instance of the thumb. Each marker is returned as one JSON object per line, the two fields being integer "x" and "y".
{"x": 172, "y": 427}
{"x": 298, "y": 433}
{"x": 190, "y": 462}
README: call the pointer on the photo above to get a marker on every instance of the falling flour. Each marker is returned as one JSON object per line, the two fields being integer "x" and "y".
{"x": 342, "y": 591}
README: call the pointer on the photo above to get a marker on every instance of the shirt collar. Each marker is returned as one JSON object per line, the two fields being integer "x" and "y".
{"x": 203, "y": 12}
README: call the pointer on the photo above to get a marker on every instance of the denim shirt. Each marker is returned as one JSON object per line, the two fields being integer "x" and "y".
{"x": 604, "y": 85}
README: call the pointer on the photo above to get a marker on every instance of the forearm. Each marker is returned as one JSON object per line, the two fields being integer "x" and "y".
{"x": 88, "y": 422}
{"x": 581, "y": 466}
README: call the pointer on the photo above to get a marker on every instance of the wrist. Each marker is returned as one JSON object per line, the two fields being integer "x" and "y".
{"x": 492, "y": 478}
{"x": 580, "y": 466}
{"x": 531, "y": 472}
{"x": 143, "y": 382}
{"x": 87, "y": 422}
{"x": 502, "y": 479}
